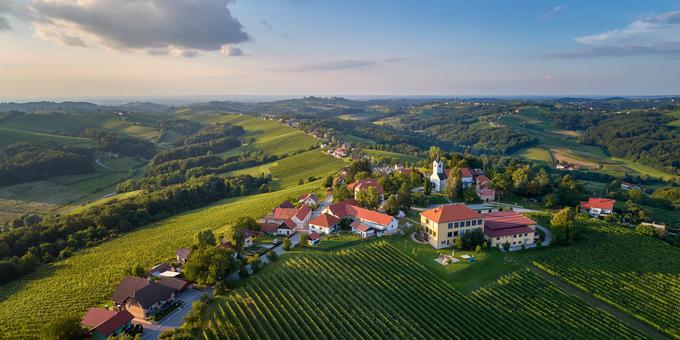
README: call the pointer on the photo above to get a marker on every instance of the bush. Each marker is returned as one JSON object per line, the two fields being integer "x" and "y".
{"x": 645, "y": 230}
{"x": 563, "y": 226}
{"x": 64, "y": 327}
{"x": 286, "y": 244}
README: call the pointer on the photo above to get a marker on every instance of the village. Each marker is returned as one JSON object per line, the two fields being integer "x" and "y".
{"x": 147, "y": 302}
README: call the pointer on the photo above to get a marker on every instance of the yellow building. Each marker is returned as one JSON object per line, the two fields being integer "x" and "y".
{"x": 448, "y": 222}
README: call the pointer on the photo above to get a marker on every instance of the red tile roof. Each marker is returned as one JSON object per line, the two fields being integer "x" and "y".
{"x": 364, "y": 184}
{"x": 325, "y": 220}
{"x": 284, "y": 213}
{"x": 269, "y": 227}
{"x": 289, "y": 224}
{"x": 506, "y": 219}
{"x": 507, "y": 231}
{"x": 465, "y": 172}
{"x": 345, "y": 209}
{"x": 303, "y": 212}
{"x": 106, "y": 321}
{"x": 313, "y": 236}
{"x": 356, "y": 225}
{"x": 450, "y": 213}
{"x": 481, "y": 179}
{"x": 599, "y": 203}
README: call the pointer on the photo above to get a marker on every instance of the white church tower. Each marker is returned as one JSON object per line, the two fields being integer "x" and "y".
{"x": 438, "y": 177}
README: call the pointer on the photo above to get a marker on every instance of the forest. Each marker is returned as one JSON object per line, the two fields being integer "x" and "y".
{"x": 24, "y": 162}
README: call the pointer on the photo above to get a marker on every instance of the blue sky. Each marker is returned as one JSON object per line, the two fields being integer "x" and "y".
{"x": 61, "y": 48}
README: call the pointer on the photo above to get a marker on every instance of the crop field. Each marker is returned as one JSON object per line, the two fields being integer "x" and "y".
{"x": 640, "y": 276}
{"x": 90, "y": 276}
{"x": 39, "y": 196}
{"x": 374, "y": 291}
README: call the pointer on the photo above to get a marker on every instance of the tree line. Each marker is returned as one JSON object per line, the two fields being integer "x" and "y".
{"x": 24, "y": 162}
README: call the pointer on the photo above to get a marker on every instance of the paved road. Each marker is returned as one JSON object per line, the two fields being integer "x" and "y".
{"x": 323, "y": 205}
{"x": 175, "y": 319}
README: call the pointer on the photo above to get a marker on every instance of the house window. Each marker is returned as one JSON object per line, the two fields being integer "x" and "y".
{"x": 467, "y": 223}
{"x": 474, "y": 223}
{"x": 442, "y": 242}
{"x": 450, "y": 234}
{"x": 455, "y": 225}
{"x": 450, "y": 225}
{"x": 455, "y": 233}
{"x": 514, "y": 236}
{"x": 498, "y": 238}
{"x": 479, "y": 222}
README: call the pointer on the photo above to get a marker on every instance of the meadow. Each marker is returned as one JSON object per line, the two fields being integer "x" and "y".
{"x": 636, "y": 274}
{"x": 375, "y": 291}
{"x": 90, "y": 276}
{"x": 400, "y": 156}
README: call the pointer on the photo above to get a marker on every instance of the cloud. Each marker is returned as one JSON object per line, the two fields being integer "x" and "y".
{"x": 342, "y": 65}
{"x": 266, "y": 24}
{"x": 4, "y": 24}
{"x": 6, "y": 8}
{"x": 158, "y": 27}
{"x": 231, "y": 51}
{"x": 554, "y": 11}
{"x": 655, "y": 35}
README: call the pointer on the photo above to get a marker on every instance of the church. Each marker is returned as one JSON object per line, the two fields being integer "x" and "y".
{"x": 438, "y": 177}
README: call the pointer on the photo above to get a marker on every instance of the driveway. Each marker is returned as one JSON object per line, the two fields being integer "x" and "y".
{"x": 174, "y": 319}
{"x": 323, "y": 205}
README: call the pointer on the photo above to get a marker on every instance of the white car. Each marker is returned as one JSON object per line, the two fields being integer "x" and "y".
{"x": 276, "y": 241}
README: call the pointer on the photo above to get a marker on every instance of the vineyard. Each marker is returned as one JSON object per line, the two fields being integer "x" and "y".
{"x": 638, "y": 275}
{"x": 90, "y": 276}
{"x": 375, "y": 291}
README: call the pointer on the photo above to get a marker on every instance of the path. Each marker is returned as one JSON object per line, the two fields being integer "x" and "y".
{"x": 590, "y": 300}
{"x": 176, "y": 318}
{"x": 99, "y": 162}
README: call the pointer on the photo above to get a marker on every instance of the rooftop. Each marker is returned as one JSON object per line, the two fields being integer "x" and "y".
{"x": 450, "y": 213}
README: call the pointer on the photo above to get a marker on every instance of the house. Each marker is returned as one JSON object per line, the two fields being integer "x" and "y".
{"x": 309, "y": 200}
{"x": 365, "y": 184}
{"x": 160, "y": 268}
{"x": 625, "y": 186}
{"x": 466, "y": 177}
{"x": 324, "y": 223}
{"x": 362, "y": 230}
{"x": 438, "y": 176}
{"x": 448, "y": 222}
{"x": 382, "y": 223}
{"x": 597, "y": 207}
{"x": 176, "y": 284}
{"x": 182, "y": 254}
{"x": 314, "y": 238}
{"x": 302, "y": 217}
{"x": 508, "y": 226}
{"x": 247, "y": 238}
{"x": 142, "y": 297}
{"x": 103, "y": 322}
{"x": 299, "y": 216}
{"x": 485, "y": 194}
{"x": 284, "y": 228}
{"x": 339, "y": 152}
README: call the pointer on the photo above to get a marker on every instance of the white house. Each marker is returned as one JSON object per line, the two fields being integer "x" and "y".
{"x": 597, "y": 207}
{"x": 324, "y": 224}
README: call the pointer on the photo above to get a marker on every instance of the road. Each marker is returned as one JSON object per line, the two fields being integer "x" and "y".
{"x": 323, "y": 205}
{"x": 175, "y": 319}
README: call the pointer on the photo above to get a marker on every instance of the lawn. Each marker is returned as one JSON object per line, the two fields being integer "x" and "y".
{"x": 336, "y": 241}
{"x": 402, "y": 157}
{"x": 375, "y": 291}
{"x": 538, "y": 154}
{"x": 89, "y": 277}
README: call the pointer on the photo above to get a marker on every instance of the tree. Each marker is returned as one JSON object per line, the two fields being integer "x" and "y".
{"x": 272, "y": 256}
{"x": 328, "y": 182}
{"x": 520, "y": 179}
{"x": 471, "y": 239}
{"x": 569, "y": 190}
{"x": 634, "y": 214}
{"x": 404, "y": 198}
{"x": 563, "y": 226}
{"x": 506, "y": 246}
{"x": 247, "y": 222}
{"x": 301, "y": 181}
{"x": 64, "y": 327}
{"x": 478, "y": 249}
{"x": 645, "y": 230}
{"x": 286, "y": 244}
{"x": 136, "y": 270}
{"x": 454, "y": 185}
{"x": 433, "y": 153}
{"x": 204, "y": 238}
{"x": 303, "y": 238}
{"x": 369, "y": 199}
{"x": 548, "y": 201}
{"x": 208, "y": 265}
{"x": 470, "y": 195}
{"x": 341, "y": 193}
{"x": 428, "y": 187}
{"x": 392, "y": 205}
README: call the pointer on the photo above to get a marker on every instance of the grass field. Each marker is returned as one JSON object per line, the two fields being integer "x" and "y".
{"x": 40, "y": 196}
{"x": 10, "y": 136}
{"x": 639, "y": 275}
{"x": 375, "y": 291}
{"x": 400, "y": 156}
{"x": 89, "y": 277}
{"x": 537, "y": 154}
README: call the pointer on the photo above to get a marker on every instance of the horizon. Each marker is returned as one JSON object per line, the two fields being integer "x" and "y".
{"x": 99, "y": 49}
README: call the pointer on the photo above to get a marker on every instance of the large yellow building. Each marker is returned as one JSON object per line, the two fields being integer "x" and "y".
{"x": 448, "y": 222}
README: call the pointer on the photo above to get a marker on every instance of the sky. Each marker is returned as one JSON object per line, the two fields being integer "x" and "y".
{"x": 142, "y": 48}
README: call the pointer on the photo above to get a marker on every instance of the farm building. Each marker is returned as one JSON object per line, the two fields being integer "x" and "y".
{"x": 365, "y": 184}
{"x": 103, "y": 323}
{"x": 597, "y": 207}
{"x": 182, "y": 254}
{"x": 299, "y": 216}
{"x": 142, "y": 297}
{"x": 314, "y": 238}
{"x": 324, "y": 224}
{"x": 362, "y": 229}
{"x": 382, "y": 223}
{"x": 309, "y": 200}
{"x": 508, "y": 226}
{"x": 284, "y": 228}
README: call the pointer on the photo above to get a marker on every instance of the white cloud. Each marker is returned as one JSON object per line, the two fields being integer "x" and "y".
{"x": 158, "y": 27}
{"x": 231, "y": 51}
{"x": 555, "y": 10}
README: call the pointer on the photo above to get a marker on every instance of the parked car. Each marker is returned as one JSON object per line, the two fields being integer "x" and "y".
{"x": 276, "y": 241}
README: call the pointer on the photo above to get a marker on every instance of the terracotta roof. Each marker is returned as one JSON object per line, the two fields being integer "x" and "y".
{"x": 481, "y": 179}
{"x": 507, "y": 231}
{"x": 174, "y": 283}
{"x": 487, "y": 192}
{"x": 269, "y": 227}
{"x": 450, "y": 213}
{"x": 599, "y": 203}
{"x": 289, "y": 224}
{"x": 303, "y": 212}
{"x": 360, "y": 226}
{"x": 283, "y": 213}
{"x": 465, "y": 172}
{"x": 506, "y": 219}
{"x": 345, "y": 209}
{"x": 106, "y": 321}
{"x": 286, "y": 204}
{"x": 325, "y": 220}
{"x": 314, "y": 236}
{"x": 364, "y": 184}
